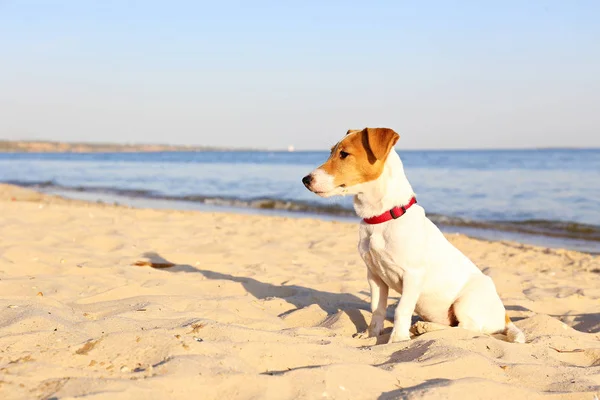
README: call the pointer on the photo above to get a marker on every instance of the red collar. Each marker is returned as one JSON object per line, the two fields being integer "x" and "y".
{"x": 394, "y": 213}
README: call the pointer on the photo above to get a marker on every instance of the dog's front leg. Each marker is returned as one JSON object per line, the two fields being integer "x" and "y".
{"x": 411, "y": 290}
{"x": 379, "y": 297}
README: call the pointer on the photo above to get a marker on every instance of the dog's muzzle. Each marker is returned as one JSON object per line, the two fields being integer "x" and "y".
{"x": 307, "y": 180}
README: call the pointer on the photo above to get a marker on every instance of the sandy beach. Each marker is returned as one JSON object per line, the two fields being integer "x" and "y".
{"x": 102, "y": 301}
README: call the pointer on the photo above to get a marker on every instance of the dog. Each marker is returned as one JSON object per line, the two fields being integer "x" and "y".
{"x": 402, "y": 249}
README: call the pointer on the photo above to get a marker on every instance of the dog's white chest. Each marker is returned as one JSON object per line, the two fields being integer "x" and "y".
{"x": 378, "y": 255}
{"x": 377, "y": 244}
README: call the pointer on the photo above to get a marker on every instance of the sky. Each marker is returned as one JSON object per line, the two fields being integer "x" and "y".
{"x": 269, "y": 74}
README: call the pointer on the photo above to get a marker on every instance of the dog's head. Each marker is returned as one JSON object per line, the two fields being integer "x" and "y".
{"x": 358, "y": 158}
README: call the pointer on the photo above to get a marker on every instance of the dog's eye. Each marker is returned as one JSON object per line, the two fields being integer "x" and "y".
{"x": 343, "y": 154}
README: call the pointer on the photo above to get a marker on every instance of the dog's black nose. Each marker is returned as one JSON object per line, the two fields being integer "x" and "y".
{"x": 307, "y": 180}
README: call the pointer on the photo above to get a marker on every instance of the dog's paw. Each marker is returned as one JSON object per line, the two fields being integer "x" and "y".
{"x": 421, "y": 327}
{"x": 396, "y": 337}
{"x": 375, "y": 328}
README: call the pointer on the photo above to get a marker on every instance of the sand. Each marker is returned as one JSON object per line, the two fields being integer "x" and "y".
{"x": 101, "y": 301}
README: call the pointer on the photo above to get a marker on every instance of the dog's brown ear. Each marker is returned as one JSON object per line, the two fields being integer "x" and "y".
{"x": 352, "y": 131}
{"x": 379, "y": 142}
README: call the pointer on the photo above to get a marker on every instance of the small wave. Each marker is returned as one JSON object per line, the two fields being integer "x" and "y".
{"x": 33, "y": 184}
{"x": 259, "y": 202}
{"x": 557, "y": 229}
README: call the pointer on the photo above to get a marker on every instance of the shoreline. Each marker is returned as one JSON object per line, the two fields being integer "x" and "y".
{"x": 554, "y": 234}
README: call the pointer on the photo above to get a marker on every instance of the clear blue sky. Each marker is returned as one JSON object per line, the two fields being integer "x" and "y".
{"x": 444, "y": 74}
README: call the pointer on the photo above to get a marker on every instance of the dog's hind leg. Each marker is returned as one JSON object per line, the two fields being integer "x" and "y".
{"x": 478, "y": 307}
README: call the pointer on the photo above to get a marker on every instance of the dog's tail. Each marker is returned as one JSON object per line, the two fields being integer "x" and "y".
{"x": 514, "y": 334}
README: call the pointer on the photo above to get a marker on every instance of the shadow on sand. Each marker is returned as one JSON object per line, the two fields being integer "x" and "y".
{"x": 299, "y": 296}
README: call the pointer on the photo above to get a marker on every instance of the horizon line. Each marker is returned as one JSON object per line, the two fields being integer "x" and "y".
{"x": 198, "y": 147}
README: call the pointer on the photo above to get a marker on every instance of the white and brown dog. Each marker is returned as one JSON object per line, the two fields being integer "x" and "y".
{"x": 402, "y": 248}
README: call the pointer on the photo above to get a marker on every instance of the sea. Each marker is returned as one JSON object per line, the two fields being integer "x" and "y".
{"x": 547, "y": 197}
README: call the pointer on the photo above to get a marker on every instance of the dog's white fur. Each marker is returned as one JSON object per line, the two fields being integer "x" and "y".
{"x": 412, "y": 256}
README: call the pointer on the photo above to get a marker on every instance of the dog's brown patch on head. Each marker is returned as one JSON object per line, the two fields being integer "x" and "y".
{"x": 360, "y": 156}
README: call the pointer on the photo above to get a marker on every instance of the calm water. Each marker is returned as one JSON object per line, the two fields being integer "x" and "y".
{"x": 471, "y": 187}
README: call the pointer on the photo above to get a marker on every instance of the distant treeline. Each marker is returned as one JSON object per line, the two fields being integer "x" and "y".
{"x": 8, "y": 146}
